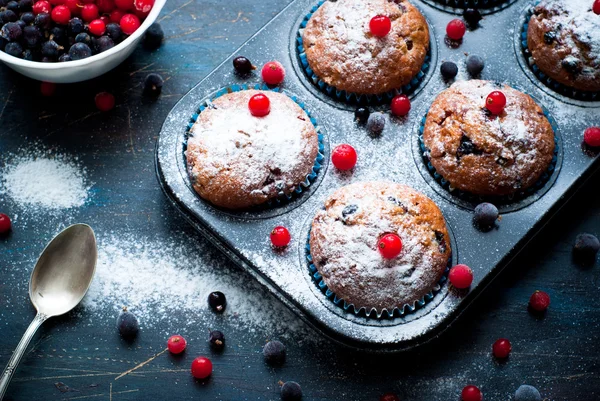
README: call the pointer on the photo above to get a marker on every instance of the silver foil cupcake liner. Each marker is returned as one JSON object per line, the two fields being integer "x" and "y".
{"x": 350, "y": 97}
{"x": 283, "y": 197}
{"x": 398, "y": 312}
{"x": 541, "y": 76}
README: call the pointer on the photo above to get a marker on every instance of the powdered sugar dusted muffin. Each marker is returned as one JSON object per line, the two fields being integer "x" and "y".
{"x": 564, "y": 39}
{"x": 342, "y": 51}
{"x": 487, "y": 154}
{"x": 237, "y": 160}
{"x": 345, "y": 236}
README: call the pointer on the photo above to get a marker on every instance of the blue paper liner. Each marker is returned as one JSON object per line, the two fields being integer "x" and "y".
{"x": 398, "y": 312}
{"x": 283, "y": 197}
{"x": 556, "y": 86}
{"x": 349, "y": 96}
{"x": 497, "y": 200}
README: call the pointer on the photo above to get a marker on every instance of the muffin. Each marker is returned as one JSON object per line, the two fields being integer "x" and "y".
{"x": 236, "y": 160}
{"x": 344, "y": 245}
{"x": 342, "y": 51}
{"x": 564, "y": 40}
{"x": 485, "y": 154}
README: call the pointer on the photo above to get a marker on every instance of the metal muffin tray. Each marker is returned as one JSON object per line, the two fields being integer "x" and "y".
{"x": 394, "y": 156}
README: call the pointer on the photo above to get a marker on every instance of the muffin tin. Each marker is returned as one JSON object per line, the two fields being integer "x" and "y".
{"x": 393, "y": 156}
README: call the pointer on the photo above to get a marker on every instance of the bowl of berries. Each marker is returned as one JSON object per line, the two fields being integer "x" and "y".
{"x": 65, "y": 41}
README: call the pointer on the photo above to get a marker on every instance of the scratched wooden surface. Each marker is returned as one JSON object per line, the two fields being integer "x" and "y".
{"x": 558, "y": 353}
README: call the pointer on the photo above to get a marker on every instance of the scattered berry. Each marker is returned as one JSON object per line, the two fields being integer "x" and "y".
{"x": 217, "y": 301}
{"x": 97, "y": 27}
{"x": 485, "y": 216}
{"x": 5, "y": 224}
{"x": 259, "y": 105}
{"x": 128, "y": 325}
{"x": 456, "y": 29}
{"x": 472, "y": 16}
{"x": 586, "y": 248}
{"x": 201, "y": 368}
{"x": 539, "y": 301}
{"x": 242, "y": 65}
{"x": 344, "y": 157}
{"x": 47, "y": 88}
{"x": 274, "y": 353}
{"x": 130, "y": 23}
{"x": 471, "y": 393}
{"x": 90, "y": 12}
{"x": 176, "y": 344}
{"x": 596, "y": 7}
{"x": 104, "y": 101}
{"x": 389, "y": 397}
{"x": 400, "y": 105}
{"x": 376, "y": 123}
{"x": 380, "y": 25}
{"x": 390, "y": 246}
{"x": 153, "y": 85}
{"x": 501, "y": 348}
{"x": 273, "y": 73}
{"x": 527, "y": 392}
{"x": 449, "y": 70}
{"x": 475, "y": 65}
{"x": 495, "y": 102}
{"x": 291, "y": 391}
{"x": 280, "y": 237}
{"x": 217, "y": 340}
{"x": 153, "y": 37}
{"x": 461, "y": 276}
{"x": 591, "y": 137}
{"x": 61, "y": 15}
{"x": 361, "y": 115}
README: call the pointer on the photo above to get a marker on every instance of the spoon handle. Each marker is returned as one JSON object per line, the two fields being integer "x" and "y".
{"x": 19, "y": 351}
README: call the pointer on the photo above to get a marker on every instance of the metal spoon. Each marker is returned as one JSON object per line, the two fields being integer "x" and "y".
{"x": 59, "y": 281}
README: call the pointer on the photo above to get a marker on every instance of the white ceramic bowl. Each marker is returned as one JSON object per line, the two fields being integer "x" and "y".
{"x": 91, "y": 67}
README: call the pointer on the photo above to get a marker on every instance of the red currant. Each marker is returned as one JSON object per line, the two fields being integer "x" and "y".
{"x": 105, "y": 101}
{"x": 143, "y": 7}
{"x": 539, "y": 301}
{"x": 42, "y": 6}
{"x": 105, "y": 6}
{"x": 124, "y": 5}
{"x": 129, "y": 23}
{"x": 5, "y": 224}
{"x": 201, "y": 367}
{"x": 461, "y": 276}
{"x": 389, "y": 397}
{"x": 344, "y": 157}
{"x": 61, "y": 15}
{"x": 380, "y": 25}
{"x": 495, "y": 102}
{"x": 105, "y": 18}
{"x": 75, "y": 6}
{"x": 280, "y": 237}
{"x": 90, "y": 12}
{"x": 591, "y": 136}
{"x": 456, "y": 29}
{"x": 390, "y": 246}
{"x": 57, "y": 2}
{"x": 47, "y": 88}
{"x": 273, "y": 73}
{"x": 97, "y": 27}
{"x": 501, "y": 348}
{"x": 471, "y": 393}
{"x": 400, "y": 105}
{"x": 116, "y": 15}
{"x": 596, "y": 7}
{"x": 259, "y": 105}
{"x": 176, "y": 344}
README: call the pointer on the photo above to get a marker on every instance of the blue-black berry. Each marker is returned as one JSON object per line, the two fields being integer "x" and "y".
{"x": 11, "y": 31}
{"x": 14, "y": 49}
{"x": 291, "y": 391}
{"x": 103, "y": 43}
{"x": 43, "y": 21}
{"x": 586, "y": 249}
{"x": 449, "y": 70}
{"x": 217, "y": 301}
{"x": 128, "y": 325}
{"x": 8, "y": 16}
{"x": 153, "y": 37}
{"x": 361, "y": 115}
{"x": 64, "y": 57}
{"x": 475, "y": 65}
{"x": 527, "y": 393}
{"x": 376, "y": 123}
{"x": 485, "y": 216}
{"x": 79, "y": 51}
{"x": 113, "y": 30}
{"x": 28, "y": 18}
{"x": 83, "y": 38}
{"x": 75, "y": 26}
{"x": 472, "y": 17}
{"x": 217, "y": 340}
{"x": 243, "y": 65}
{"x": 274, "y": 352}
{"x": 153, "y": 85}
{"x": 32, "y": 36}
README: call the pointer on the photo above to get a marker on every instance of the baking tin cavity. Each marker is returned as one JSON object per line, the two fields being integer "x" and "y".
{"x": 459, "y": 6}
{"x": 283, "y": 201}
{"x": 319, "y": 87}
{"x": 544, "y": 82}
{"x": 467, "y": 200}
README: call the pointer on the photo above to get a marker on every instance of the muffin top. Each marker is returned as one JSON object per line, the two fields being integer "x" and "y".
{"x": 343, "y": 52}
{"x": 482, "y": 153}
{"x": 236, "y": 160}
{"x": 344, "y": 245}
{"x": 564, "y": 39}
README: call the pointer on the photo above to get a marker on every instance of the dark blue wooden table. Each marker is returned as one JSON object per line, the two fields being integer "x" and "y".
{"x": 558, "y": 353}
